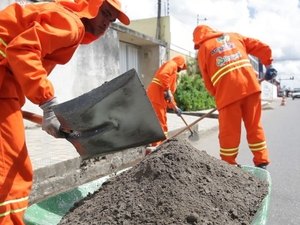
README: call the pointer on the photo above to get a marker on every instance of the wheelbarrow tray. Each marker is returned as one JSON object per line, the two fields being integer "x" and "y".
{"x": 51, "y": 210}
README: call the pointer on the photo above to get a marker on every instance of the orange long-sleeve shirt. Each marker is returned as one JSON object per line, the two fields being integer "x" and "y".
{"x": 165, "y": 78}
{"x": 36, "y": 38}
{"x": 225, "y": 66}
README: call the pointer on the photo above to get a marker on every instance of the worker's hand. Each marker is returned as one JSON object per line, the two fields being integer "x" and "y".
{"x": 271, "y": 73}
{"x": 168, "y": 95}
{"x": 178, "y": 111}
{"x": 261, "y": 80}
{"x": 50, "y": 122}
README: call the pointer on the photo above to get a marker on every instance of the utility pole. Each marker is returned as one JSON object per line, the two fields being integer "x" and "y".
{"x": 158, "y": 25}
{"x": 168, "y": 8}
{"x": 198, "y": 19}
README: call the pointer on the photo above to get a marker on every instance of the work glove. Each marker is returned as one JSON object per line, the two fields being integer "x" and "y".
{"x": 271, "y": 73}
{"x": 178, "y": 111}
{"x": 50, "y": 122}
{"x": 168, "y": 95}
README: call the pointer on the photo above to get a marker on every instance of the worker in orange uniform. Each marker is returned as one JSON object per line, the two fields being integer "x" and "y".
{"x": 33, "y": 39}
{"x": 162, "y": 88}
{"x": 229, "y": 77}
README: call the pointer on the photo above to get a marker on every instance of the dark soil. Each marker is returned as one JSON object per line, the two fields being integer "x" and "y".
{"x": 176, "y": 185}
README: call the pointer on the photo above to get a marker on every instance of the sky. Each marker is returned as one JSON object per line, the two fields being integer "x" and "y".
{"x": 275, "y": 22}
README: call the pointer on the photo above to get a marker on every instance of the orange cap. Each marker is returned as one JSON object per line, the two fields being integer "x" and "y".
{"x": 83, "y": 8}
{"x": 122, "y": 16}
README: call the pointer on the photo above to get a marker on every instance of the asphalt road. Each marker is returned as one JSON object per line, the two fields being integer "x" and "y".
{"x": 282, "y": 128}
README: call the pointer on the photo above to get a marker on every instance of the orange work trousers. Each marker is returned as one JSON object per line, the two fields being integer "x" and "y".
{"x": 247, "y": 110}
{"x": 15, "y": 165}
{"x": 161, "y": 113}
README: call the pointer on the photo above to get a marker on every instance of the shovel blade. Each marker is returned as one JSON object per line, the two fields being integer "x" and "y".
{"x": 194, "y": 136}
{"x": 115, "y": 116}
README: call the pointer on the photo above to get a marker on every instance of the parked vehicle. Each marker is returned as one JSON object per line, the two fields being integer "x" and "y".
{"x": 296, "y": 93}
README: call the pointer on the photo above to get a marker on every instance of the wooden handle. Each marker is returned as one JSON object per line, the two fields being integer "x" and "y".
{"x": 189, "y": 126}
{"x": 186, "y": 124}
{"x": 32, "y": 117}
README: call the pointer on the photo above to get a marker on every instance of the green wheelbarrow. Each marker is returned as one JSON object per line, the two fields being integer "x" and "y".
{"x": 51, "y": 210}
{"x": 261, "y": 215}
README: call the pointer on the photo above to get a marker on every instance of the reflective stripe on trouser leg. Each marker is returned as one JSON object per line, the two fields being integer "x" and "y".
{"x": 230, "y": 132}
{"x": 229, "y": 154}
{"x": 260, "y": 153}
{"x": 15, "y": 166}
{"x": 255, "y": 133}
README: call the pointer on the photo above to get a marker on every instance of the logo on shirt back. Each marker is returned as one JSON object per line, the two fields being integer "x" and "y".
{"x": 221, "y": 61}
{"x": 227, "y": 45}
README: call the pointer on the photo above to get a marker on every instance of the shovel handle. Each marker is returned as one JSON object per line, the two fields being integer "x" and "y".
{"x": 186, "y": 124}
{"x": 32, "y": 117}
{"x": 189, "y": 126}
{"x": 38, "y": 119}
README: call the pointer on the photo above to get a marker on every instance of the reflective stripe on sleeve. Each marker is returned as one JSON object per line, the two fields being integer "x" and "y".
{"x": 156, "y": 81}
{"x": 13, "y": 206}
{"x": 12, "y": 211}
{"x": 2, "y": 42}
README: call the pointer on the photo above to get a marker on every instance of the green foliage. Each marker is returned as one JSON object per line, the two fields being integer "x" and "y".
{"x": 191, "y": 94}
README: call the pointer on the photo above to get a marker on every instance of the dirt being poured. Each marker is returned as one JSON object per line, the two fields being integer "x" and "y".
{"x": 177, "y": 185}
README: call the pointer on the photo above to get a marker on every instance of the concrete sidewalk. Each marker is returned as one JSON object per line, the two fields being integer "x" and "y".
{"x": 58, "y": 167}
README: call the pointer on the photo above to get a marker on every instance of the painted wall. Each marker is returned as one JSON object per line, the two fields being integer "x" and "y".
{"x": 151, "y": 57}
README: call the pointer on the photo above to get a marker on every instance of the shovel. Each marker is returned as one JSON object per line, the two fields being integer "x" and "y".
{"x": 208, "y": 114}
{"x": 109, "y": 118}
{"x": 194, "y": 136}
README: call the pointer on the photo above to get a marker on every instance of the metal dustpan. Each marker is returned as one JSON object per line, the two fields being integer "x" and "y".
{"x": 115, "y": 116}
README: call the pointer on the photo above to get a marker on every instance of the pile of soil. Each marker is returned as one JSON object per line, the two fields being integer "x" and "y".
{"x": 176, "y": 185}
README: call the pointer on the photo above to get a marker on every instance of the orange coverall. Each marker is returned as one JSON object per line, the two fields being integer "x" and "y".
{"x": 229, "y": 77}
{"x": 165, "y": 78}
{"x": 33, "y": 40}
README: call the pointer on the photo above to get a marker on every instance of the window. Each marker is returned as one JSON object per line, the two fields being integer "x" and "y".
{"x": 128, "y": 57}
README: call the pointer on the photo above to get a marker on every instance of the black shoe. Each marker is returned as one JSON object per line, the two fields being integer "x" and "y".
{"x": 262, "y": 166}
